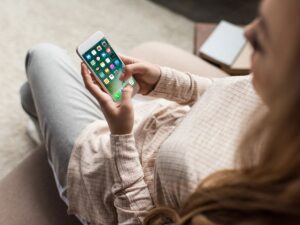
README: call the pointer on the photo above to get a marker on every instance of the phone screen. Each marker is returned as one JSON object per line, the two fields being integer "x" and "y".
{"x": 108, "y": 67}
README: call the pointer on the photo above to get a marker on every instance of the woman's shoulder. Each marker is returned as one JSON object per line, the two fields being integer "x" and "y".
{"x": 232, "y": 86}
{"x": 233, "y": 80}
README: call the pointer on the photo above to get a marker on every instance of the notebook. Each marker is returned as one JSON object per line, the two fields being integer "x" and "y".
{"x": 228, "y": 48}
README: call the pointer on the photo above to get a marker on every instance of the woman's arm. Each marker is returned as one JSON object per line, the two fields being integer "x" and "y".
{"x": 163, "y": 82}
{"x": 132, "y": 197}
{"x": 183, "y": 88}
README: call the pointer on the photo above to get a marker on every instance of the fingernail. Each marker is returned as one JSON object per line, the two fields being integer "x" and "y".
{"x": 128, "y": 86}
{"x": 123, "y": 89}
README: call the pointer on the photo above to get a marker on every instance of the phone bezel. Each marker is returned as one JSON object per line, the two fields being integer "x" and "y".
{"x": 89, "y": 43}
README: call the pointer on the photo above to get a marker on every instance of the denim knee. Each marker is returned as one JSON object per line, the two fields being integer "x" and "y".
{"x": 46, "y": 51}
{"x": 27, "y": 100}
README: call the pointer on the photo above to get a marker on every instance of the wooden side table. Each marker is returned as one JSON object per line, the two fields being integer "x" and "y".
{"x": 202, "y": 31}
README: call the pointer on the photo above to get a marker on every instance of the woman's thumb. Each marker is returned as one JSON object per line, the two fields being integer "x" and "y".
{"x": 132, "y": 69}
{"x": 126, "y": 95}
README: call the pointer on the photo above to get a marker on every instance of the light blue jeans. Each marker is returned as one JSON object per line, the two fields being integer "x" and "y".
{"x": 57, "y": 101}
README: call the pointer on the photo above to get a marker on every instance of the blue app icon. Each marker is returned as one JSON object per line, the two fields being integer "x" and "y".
{"x": 102, "y": 75}
{"x": 103, "y": 54}
{"x": 88, "y": 56}
{"x": 117, "y": 62}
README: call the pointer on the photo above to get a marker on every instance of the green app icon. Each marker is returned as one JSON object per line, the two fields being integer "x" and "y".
{"x": 117, "y": 95}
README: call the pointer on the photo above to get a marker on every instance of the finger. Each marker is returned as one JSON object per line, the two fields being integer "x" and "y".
{"x": 97, "y": 92}
{"x": 89, "y": 80}
{"x": 94, "y": 79}
{"x": 132, "y": 69}
{"x": 128, "y": 60}
{"x": 85, "y": 74}
{"x": 96, "y": 82}
{"x": 126, "y": 97}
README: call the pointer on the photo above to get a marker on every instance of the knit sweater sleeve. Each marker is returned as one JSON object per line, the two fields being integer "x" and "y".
{"x": 131, "y": 195}
{"x": 183, "y": 88}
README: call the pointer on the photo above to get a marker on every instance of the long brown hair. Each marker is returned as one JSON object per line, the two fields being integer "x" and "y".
{"x": 266, "y": 188}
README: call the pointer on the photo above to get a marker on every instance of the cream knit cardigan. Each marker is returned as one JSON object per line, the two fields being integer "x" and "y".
{"x": 191, "y": 130}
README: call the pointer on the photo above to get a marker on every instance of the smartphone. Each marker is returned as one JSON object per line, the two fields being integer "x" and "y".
{"x": 103, "y": 62}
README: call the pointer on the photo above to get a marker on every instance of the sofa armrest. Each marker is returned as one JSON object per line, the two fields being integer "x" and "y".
{"x": 28, "y": 195}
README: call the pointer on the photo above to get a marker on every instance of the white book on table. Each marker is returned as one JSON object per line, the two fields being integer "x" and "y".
{"x": 225, "y": 44}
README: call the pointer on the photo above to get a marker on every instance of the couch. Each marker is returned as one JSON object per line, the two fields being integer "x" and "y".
{"x": 28, "y": 195}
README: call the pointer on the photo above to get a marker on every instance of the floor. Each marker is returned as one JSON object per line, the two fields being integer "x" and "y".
{"x": 27, "y": 22}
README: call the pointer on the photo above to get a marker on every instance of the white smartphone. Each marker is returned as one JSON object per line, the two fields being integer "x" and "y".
{"x": 105, "y": 65}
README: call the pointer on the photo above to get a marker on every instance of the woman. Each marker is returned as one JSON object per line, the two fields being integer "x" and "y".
{"x": 154, "y": 153}
{"x": 265, "y": 190}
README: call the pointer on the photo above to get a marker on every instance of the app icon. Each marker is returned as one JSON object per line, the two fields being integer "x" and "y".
{"x": 106, "y": 70}
{"x": 102, "y": 64}
{"x": 112, "y": 66}
{"x": 102, "y": 75}
{"x": 93, "y": 62}
{"x": 116, "y": 72}
{"x": 113, "y": 55}
{"x": 99, "y": 48}
{"x": 111, "y": 76}
{"x": 108, "y": 50}
{"x": 117, "y": 62}
{"x": 107, "y": 60}
{"x": 98, "y": 58}
{"x": 106, "y": 81}
{"x": 94, "y": 52}
{"x": 104, "y": 43}
{"x": 97, "y": 68}
{"x": 88, "y": 57}
{"x": 103, "y": 54}
{"x": 117, "y": 95}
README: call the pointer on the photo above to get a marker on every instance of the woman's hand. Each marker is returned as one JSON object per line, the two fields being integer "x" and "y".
{"x": 119, "y": 116}
{"x": 146, "y": 74}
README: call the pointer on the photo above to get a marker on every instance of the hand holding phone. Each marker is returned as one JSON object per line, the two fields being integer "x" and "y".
{"x": 119, "y": 116}
{"x": 105, "y": 65}
{"x": 145, "y": 73}
{"x": 102, "y": 66}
